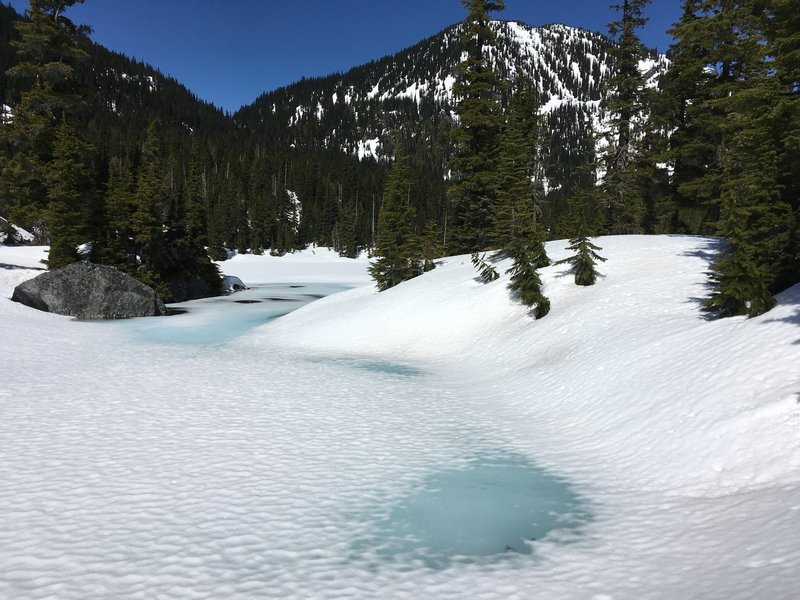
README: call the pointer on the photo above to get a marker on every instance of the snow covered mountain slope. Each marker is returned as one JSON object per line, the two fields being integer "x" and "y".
{"x": 246, "y": 470}
{"x": 360, "y": 111}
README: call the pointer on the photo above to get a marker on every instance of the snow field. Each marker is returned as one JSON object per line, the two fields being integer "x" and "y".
{"x": 131, "y": 470}
{"x": 683, "y": 431}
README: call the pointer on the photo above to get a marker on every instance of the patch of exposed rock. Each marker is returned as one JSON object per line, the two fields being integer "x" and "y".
{"x": 89, "y": 291}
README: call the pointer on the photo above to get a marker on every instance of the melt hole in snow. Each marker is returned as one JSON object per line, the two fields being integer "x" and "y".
{"x": 498, "y": 506}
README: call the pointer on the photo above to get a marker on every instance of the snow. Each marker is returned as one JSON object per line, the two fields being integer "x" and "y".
{"x": 652, "y": 70}
{"x": 149, "y": 80}
{"x": 316, "y": 264}
{"x": 246, "y": 470}
{"x": 231, "y": 283}
{"x": 85, "y": 250}
{"x": 21, "y": 234}
{"x": 296, "y": 212}
{"x": 374, "y": 91}
{"x": 369, "y": 147}
{"x": 6, "y": 114}
{"x": 298, "y": 115}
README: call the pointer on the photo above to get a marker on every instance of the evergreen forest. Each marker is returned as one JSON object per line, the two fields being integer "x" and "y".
{"x": 441, "y": 149}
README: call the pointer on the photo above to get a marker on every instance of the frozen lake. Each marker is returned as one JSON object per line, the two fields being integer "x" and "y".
{"x": 215, "y": 321}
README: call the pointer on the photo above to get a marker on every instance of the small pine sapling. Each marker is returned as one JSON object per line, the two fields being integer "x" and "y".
{"x": 486, "y": 272}
{"x": 431, "y": 247}
{"x": 525, "y": 284}
{"x": 584, "y": 260}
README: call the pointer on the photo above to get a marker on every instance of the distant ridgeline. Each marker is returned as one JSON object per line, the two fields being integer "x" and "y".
{"x": 407, "y": 99}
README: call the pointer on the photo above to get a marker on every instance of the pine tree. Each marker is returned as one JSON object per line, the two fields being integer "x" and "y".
{"x": 738, "y": 277}
{"x": 260, "y": 204}
{"x": 114, "y": 248}
{"x": 517, "y": 209}
{"x": 696, "y": 144}
{"x": 621, "y": 189}
{"x": 755, "y": 221}
{"x": 191, "y": 269}
{"x": 48, "y": 56}
{"x": 486, "y": 270}
{"x": 431, "y": 247}
{"x": 517, "y": 229}
{"x": 398, "y": 246}
{"x": 69, "y": 184}
{"x": 473, "y": 164}
{"x": 147, "y": 223}
{"x": 196, "y": 217}
{"x": 734, "y": 116}
{"x": 584, "y": 261}
{"x": 346, "y": 225}
{"x": 525, "y": 283}
{"x": 784, "y": 36}
{"x": 287, "y": 226}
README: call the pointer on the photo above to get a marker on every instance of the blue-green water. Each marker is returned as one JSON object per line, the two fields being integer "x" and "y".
{"x": 214, "y": 321}
{"x": 497, "y": 505}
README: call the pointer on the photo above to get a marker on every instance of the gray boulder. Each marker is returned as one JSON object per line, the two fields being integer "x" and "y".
{"x": 88, "y": 291}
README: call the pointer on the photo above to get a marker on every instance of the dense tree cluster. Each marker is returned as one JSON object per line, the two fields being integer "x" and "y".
{"x": 399, "y": 246}
{"x": 734, "y": 91}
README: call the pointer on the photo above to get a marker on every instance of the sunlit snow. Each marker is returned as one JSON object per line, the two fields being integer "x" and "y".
{"x": 303, "y": 458}
{"x": 6, "y": 114}
{"x": 20, "y": 234}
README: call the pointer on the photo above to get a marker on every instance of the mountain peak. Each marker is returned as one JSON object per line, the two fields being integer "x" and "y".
{"x": 363, "y": 109}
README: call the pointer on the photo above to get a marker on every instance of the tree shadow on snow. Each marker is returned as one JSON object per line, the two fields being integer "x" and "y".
{"x": 707, "y": 251}
{"x": 9, "y": 267}
{"x": 790, "y": 297}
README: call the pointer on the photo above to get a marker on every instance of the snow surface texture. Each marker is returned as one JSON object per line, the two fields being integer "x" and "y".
{"x": 247, "y": 470}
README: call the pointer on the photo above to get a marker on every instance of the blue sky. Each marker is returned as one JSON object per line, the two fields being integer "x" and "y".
{"x": 230, "y": 51}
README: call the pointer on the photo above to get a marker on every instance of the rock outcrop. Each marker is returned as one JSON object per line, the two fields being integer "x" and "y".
{"x": 89, "y": 291}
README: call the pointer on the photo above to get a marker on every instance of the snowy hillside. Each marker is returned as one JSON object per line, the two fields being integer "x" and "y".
{"x": 263, "y": 467}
